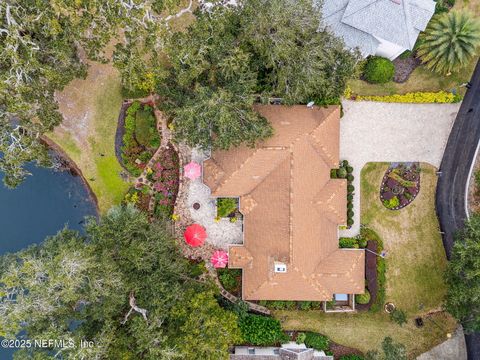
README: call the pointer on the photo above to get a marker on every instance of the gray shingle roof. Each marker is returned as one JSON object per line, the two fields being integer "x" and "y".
{"x": 361, "y": 22}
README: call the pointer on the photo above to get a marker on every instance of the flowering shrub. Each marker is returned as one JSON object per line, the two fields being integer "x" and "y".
{"x": 415, "y": 97}
{"x": 164, "y": 176}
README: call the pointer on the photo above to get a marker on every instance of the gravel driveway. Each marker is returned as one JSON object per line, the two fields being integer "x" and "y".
{"x": 390, "y": 132}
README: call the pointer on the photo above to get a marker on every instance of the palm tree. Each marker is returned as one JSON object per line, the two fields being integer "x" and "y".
{"x": 450, "y": 41}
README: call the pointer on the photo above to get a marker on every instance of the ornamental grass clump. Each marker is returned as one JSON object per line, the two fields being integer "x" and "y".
{"x": 450, "y": 42}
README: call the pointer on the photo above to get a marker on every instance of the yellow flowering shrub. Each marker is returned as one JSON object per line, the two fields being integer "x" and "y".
{"x": 443, "y": 97}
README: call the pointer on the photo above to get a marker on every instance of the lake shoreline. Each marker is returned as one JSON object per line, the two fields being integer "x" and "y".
{"x": 73, "y": 168}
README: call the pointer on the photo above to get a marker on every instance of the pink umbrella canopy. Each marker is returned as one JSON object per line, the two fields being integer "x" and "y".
{"x": 219, "y": 259}
{"x": 192, "y": 170}
{"x": 195, "y": 235}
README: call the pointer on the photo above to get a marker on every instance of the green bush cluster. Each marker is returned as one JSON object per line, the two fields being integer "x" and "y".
{"x": 370, "y": 235}
{"x": 398, "y": 316}
{"x": 352, "y": 243}
{"x": 415, "y": 97}
{"x": 261, "y": 330}
{"x": 140, "y": 137}
{"x": 226, "y": 206}
{"x": 393, "y": 203}
{"x": 444, "y": 6}
{"x": 378, "y": 70}
{"x": 229, "y": 278}
{"x": 300, "y": 338}
{"x": 316, "y": 341}
{"x": 363, "y": 298}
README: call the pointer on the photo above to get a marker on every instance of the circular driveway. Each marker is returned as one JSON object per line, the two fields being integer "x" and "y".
{"x": 392, "y": 132}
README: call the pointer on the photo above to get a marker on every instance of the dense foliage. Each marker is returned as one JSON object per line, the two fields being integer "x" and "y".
{"x": 124, "y": 285}
{"x": 230, "y": 56}
{"x": 378, "y": 70}
{"x": 363, "y": 298}
{"x": 43, "y": 46}
{"x": 316, "y": 341}
{"x": 141, "y": 137}
{"x": 390, "y": 351}
{"x": 463, "y": 277}
{"x": 450, "y": 41}
{"x": 261, "y": 330}
{"x": 441, "y": 97}
{"x": 226, "y": 206}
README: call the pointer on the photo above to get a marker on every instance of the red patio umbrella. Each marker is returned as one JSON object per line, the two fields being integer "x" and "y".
{"x": 195, "y": 235}
{"x": 219, "y": 259}
{"x": 192, "y": 170}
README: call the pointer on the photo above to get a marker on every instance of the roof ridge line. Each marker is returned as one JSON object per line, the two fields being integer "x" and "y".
{"x": 243, "y": 164}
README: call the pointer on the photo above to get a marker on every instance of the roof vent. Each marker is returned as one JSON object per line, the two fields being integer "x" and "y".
{"x": 280, "y": 267}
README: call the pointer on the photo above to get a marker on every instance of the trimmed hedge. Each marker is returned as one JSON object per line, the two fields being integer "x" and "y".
{"x": 441, "y": 97}
{"x": 352, "y": 357}
{"x": 316, "y": 341}
{"x": 261, "y": 330}
{"x": 378, "y": 70}
{"x": 363, "y": 298}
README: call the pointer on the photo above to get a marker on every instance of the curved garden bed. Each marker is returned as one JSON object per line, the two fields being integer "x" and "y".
{"x": 400, "y": 185}
{"x": 137, "y": 137}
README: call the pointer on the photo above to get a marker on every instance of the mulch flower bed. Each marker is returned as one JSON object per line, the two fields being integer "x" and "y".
{"x": 400, "y": 185}
{"x": 370, "y": 275}
{"x": 404, "y": 67}
{"x": 164, "y": 175}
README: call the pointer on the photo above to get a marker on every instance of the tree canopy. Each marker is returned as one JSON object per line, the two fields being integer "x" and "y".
{"x": 232, "y": 56}
{"x": 123, "y": 285}
{"x": 43, "y": 46}
{"x": 463, "y": 277}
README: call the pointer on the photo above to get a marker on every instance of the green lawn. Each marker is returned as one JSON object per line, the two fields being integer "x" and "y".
{"x": 145, "y": 127}
{"x": 87, "y": 134}
{"x": 415, "y": 262}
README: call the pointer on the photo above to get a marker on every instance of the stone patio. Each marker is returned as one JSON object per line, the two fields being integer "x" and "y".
{"x": 221, "y": 233}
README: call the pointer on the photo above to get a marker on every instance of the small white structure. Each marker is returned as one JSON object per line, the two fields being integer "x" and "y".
{"x": 378, "y": 27}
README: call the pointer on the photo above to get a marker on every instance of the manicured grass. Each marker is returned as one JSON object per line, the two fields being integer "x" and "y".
{"x": 87, "y": 134}
{"x": 145, "y": 129}
{"x": 365, "y": 331}
{"x": 415, "y": 262}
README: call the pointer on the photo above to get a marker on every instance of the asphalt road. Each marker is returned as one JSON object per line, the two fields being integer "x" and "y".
{"x": 454, "y": 173}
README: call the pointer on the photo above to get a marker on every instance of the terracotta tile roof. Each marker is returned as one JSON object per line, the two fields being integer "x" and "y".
{"x": 291, "y": 208}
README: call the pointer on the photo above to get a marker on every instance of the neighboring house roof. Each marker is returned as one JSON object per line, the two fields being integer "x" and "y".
{"x": 289, "y": 351}
{"x": 363, "y": 23}
{"x": 291, "y": 207}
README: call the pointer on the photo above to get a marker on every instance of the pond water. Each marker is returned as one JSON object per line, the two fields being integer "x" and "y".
{"x": 40, "y": 206}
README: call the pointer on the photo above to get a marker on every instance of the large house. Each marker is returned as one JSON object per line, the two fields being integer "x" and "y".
{"x": 291, "y": 209}
{"x": 378, "y": 27}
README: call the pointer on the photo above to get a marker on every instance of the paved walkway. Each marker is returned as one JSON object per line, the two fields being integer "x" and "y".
{"x": 452, "y": 349}
{"x": 390, "y": 132}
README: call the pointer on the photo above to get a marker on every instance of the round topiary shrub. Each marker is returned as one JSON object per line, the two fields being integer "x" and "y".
{"x": 342, "y": 173}
{"x": 349, "y": 169}
{"x": 378, "y": 70}
{"x": 344, "y": 163}
{"x": 363, "y": 298}
{"x": 350, "y": 213}
{"x": 350, "y": 197}
{"x": 350, "y": 188}
{"x": 350, "y": 221}
{"x": 350, "y": 178}
{"x": 349, "y": 205}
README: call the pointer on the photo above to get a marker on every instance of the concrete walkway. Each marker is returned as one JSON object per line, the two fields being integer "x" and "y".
{"x": 452, "y": 349}
{"x": 390, "y": 132}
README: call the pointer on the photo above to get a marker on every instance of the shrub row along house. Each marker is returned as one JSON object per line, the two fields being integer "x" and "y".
{"x": 292, "y": 209}
{"x": 378, "y": 27}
